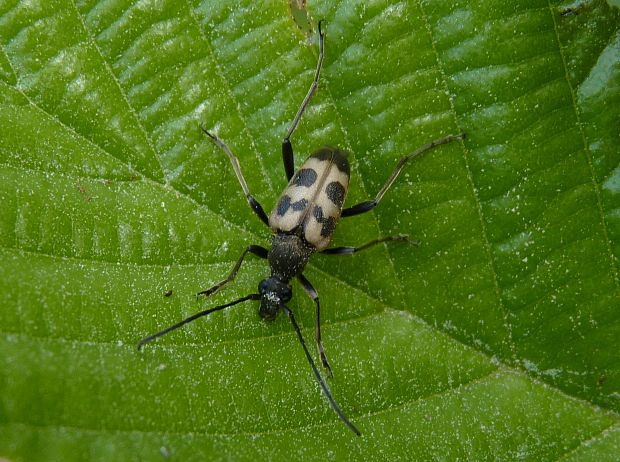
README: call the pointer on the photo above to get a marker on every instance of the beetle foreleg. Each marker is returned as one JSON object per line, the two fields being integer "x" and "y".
{"x": 255, "y": 249}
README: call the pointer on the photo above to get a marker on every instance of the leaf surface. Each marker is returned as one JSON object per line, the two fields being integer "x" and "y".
{"x": 496, "y": 338}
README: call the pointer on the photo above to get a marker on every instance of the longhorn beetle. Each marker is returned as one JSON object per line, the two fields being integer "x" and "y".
{"x": 302, "y": 223}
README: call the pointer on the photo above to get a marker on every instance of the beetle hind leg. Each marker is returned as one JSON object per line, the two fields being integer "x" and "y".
{"x": 287, "y": 147}
{"x": 254, "y": 204}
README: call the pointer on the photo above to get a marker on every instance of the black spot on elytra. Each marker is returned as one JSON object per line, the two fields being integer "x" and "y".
{"x": 300, "y": 205}
{"x": 305, "y": 177}
{"x": 329, "y": 223}
{"x": 285, "y": 204}
{"x": 335, "y": 192}
{"x": 338, "y": 157}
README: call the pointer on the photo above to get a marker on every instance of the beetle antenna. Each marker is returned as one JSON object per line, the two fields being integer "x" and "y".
{"x": 146, "y": 340}
{"x": 324, "y": 386}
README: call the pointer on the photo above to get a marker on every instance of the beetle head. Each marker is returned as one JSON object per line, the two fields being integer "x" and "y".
{"x": 273, "y": 294}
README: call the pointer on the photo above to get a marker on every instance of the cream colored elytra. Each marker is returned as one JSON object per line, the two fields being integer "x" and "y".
{"x": 311, "y": 204}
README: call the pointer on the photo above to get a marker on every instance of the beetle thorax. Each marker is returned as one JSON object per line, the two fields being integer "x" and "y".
{"x": 288, "y": 256}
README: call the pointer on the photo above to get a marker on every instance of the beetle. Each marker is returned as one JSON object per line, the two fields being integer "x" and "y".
{"x": 302, "y": 223}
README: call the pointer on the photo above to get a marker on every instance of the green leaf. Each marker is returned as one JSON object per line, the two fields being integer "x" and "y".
{"x": 497, "y": 338}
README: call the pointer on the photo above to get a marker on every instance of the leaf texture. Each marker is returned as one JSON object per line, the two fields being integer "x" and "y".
{"x": 496, "y": 338}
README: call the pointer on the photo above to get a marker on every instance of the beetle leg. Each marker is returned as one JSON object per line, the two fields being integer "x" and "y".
{"x": 311, "y": 291}
{"x": 288, "y": 158}
{"x": 287, "y": 148}
{"x": 366, "y": 206}
{"x": 254, "y": 204}
{"x": 352, "y": 250}
{"x": 255, "y": 249}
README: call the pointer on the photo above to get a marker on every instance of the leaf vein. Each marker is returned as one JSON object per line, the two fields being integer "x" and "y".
{"x": 615, "y": 427}
{"x": 121, "y": 90}
{"x": 588, "y": 155}
{"x": 229, "y": 91}
{"x": 475, "y": 194}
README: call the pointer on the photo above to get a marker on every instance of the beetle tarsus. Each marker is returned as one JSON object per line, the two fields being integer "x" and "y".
{"x": 326, "y": 366}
